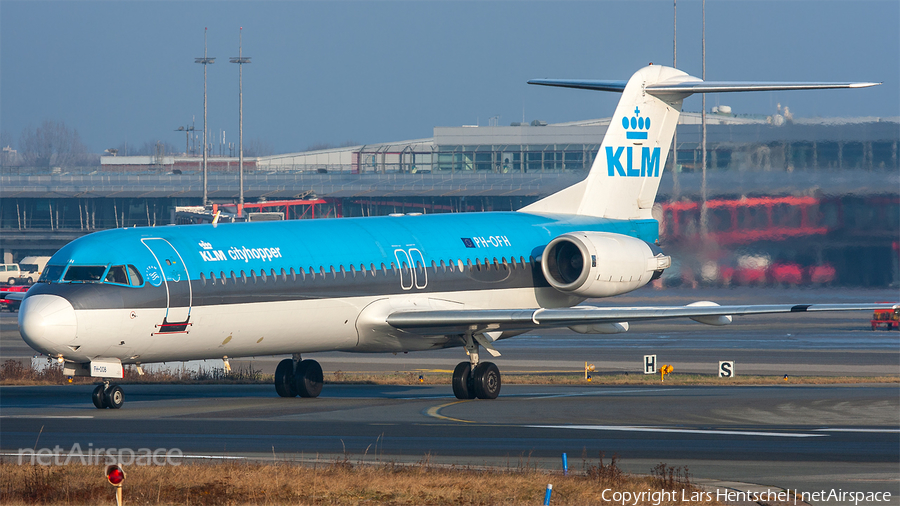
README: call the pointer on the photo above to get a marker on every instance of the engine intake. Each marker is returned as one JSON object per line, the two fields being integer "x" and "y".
{"x": 601, "y": 264}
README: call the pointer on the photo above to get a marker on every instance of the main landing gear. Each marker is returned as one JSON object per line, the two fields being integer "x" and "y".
{"x": 295, "y": 376}
{"x": 474, "y": 379}
{"x": 108, "y": 396}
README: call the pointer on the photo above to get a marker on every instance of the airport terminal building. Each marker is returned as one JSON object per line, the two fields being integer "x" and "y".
{"x": 808, "y": 191}
{"x": 746, "y": 143}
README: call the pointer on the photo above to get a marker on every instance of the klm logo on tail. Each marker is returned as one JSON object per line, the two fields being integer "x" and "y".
{"x": 635, "y": 128}
{"x": 649, "y": 162}
{"x": 639, "y": 126}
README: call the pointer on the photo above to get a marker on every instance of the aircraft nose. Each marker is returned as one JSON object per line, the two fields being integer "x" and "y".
{"x": 47, "y": 322}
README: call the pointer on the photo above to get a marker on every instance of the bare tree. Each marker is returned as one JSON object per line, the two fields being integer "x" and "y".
{"x": 6, "y": 139}
{"x": 258, "y": 147}
{"x": 50, "y": 145}
{"x": 320, "y": 146}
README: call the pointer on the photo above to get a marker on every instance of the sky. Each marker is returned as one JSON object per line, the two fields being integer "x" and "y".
{"x": 365, "y": 72}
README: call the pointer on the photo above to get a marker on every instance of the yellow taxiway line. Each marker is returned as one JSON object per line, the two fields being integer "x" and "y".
{"x": 434, "y": 412}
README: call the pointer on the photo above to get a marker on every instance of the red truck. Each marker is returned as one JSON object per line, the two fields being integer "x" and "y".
{"x": 890, "y": 318}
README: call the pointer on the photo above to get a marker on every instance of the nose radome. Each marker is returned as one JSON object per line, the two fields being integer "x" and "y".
{"x": 47, "y": 322}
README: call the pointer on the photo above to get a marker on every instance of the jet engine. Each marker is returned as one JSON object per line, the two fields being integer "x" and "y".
{"x": 601, "y": 264}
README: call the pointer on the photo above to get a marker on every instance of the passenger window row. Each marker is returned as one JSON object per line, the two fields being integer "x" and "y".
{"x": 371, "y": 270}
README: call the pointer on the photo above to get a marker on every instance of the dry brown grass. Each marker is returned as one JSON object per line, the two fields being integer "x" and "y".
{"x": 337, "y": 482}
{"x": 12, "y": 372}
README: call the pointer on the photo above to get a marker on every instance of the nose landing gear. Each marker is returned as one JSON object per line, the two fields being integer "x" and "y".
{"x": 108, "y": 396}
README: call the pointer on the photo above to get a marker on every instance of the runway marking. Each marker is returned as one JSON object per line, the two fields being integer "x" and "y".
{"x": 434, "y": 412}
{"x": 538, "y": 395}
{"x": 887, "y": 431}
{"x": 418, "y": 398}
{"x": 46, "y": 416}
{"x": 599, "y": 392}
{"x": 626, "y": 428}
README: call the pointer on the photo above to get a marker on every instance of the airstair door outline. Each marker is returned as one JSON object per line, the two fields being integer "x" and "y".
{"x": 177, "y": 281}
{"x": 418, "y": 265}
{"x": 406, "y": 270}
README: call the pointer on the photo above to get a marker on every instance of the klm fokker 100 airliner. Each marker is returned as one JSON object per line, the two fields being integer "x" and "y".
{"x": 385, "y": 284}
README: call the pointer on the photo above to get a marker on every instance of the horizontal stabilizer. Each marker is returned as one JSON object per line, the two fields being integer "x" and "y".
{"x": 728, "y": 86}
{"x": 617, "y": 86}
{"x": 693, "y": 85}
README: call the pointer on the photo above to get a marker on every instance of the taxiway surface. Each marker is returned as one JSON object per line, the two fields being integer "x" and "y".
{"x": 800, "y": 437}
{"x": 797, "y": 437}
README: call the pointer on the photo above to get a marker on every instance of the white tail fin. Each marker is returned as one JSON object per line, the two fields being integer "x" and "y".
{"x": 625, "y": 176}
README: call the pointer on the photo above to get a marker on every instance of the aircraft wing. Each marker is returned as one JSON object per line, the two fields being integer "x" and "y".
{"x": 489, "y": 320}
{"x": 12, "y": 295}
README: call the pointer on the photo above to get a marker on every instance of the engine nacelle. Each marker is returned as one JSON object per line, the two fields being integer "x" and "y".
{"x": 601, "y": 264}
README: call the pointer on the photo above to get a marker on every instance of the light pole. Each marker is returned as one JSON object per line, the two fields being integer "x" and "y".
{"x": 704, "y": 212}
{"x": 204, "y": 61}
{"x": 676, "y": 188}
{"x": 241, "y": 60}
{"x": 187, "y": 138}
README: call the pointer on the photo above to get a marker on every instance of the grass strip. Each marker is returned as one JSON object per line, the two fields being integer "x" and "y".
{"x": 340, "y": 482}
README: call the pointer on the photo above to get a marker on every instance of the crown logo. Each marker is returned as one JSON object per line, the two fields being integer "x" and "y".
{"x": 204, "y": 245}
{"x": 636, "y": 124}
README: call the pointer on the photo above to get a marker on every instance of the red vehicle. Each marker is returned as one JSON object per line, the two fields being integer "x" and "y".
{"x": 890, "y": 318}
{"x": 822, "y": 274}
{"x": 786, "y": 274}
{"x": 11, "y": 297}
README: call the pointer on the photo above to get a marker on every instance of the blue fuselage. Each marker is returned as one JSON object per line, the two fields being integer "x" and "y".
{"x": 237, "y": 281}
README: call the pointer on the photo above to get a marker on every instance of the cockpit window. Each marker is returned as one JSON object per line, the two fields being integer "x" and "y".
{"x": 51, "y": 274}
{"x": 134, "y": 276}
{"x": 85, "y": 273}
{"x": 117, "y": 275}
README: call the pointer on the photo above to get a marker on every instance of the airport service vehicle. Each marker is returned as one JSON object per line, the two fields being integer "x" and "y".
{"x": 890, "y": 318}
{"x": 31, "y": 268}
{"x": 385, "y": 284}
{"x": 10, "y": 273}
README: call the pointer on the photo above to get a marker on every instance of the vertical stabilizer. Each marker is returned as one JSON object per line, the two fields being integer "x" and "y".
{"x": 625, "y": 176}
